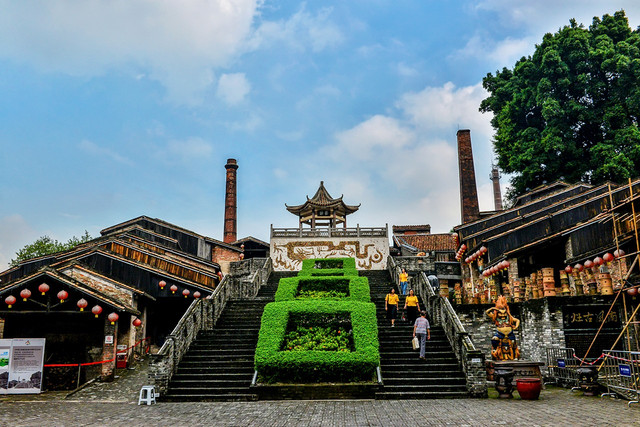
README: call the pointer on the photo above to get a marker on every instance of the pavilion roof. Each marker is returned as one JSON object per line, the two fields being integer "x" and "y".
{"x": 322, "y": 199}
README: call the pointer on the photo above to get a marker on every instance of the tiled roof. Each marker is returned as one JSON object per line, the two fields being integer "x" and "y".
{"x": 424, "y": 228}
{"x": 428, "y": 242}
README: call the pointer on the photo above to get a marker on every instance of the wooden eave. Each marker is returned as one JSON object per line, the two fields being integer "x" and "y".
{"x": 72, "y": 283}
{"x": 535, "y": 213}
{"x": 79, "y": 266}
{"x": 461, "y": 227}
{"x": 157, "y": 271}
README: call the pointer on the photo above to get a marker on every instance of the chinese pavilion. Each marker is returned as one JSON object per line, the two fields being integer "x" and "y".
{"x": 323, "y": 210}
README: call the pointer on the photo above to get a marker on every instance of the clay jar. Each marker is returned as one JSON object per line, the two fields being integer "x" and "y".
{"x": 529, "y": 388}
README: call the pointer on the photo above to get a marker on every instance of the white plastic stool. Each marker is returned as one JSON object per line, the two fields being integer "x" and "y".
{"x": 148, "y": 395}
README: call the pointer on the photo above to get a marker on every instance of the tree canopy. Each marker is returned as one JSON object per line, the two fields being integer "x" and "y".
{"x": 570, "y": 111}
{"x": 45, "y": 245}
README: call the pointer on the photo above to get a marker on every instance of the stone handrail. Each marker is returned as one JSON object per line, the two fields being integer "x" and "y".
{"x": 331, "y": 232}
{"x": 442, "y": 314}
{"x": 203, "y": 314}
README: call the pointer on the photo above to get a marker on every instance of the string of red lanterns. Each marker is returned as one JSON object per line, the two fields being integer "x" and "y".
{"x": 607, "y": 259}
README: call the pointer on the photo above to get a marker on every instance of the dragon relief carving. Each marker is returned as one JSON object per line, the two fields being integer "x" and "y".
{"x": 290, "y": 255}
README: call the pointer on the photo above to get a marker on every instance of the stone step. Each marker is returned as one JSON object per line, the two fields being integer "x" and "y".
{"x": 423, "y": 380}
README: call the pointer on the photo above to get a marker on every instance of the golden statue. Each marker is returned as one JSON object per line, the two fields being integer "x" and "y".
{"x": 504, "y": 340}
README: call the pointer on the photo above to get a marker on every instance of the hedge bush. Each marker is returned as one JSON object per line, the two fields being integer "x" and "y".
{"x": 357, "y": 287}
{"x": 329, "y": 263}
{"x": 275, "y": 365}
{"x": 328, "y": 272}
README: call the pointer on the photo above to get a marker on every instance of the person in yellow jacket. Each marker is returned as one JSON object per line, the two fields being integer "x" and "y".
{"x": 404, "y": 281}
{"x": 412, "y": 306}
{"x": 391, "y": 306}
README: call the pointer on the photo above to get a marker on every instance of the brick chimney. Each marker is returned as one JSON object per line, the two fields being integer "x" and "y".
{"x": 468, "y": 191}
{"x": 230, "y": 204}
{"x": 497, "y": 194}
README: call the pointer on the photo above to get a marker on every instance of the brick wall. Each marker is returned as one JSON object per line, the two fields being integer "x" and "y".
{"x": 224, "y": 257}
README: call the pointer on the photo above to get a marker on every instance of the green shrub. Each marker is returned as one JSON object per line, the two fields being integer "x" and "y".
{"x": 328, "y": 272}
{"x": 329, "y": 263}
{"x": 311, "y": 366}
{"x": 357, "y": 288}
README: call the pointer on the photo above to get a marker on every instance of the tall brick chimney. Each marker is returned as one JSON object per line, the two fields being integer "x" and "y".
{"x": 497, "y": 194}
{"x": 468, "y": 190}
{"x": 230, "y": 204}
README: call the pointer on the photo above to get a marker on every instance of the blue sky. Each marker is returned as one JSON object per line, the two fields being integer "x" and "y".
{"x": 114, "y": 109}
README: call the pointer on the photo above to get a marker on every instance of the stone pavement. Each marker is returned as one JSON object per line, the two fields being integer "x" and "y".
{"x": 557, "y": 407}
{"x": 115, "y": 404}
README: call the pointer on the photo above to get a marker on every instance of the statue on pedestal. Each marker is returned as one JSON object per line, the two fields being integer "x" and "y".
{"x": 504, "y": 340}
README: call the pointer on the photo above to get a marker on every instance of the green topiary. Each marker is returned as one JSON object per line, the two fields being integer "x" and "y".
{"x": 275, "y": 365}
{"x": 357, "y": 288}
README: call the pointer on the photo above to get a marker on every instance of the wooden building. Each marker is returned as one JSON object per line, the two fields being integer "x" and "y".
{"x": 145, "y": 269}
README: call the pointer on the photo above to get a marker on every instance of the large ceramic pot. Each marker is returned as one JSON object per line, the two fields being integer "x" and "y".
{"x": 588, "y": 380}
{"x": 529, "y": 388}
{"x": 504, "y": 381}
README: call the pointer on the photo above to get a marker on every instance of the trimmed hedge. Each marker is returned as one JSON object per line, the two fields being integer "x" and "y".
{"x": 275, "y": 365}
{"x": 329, "y": 263}
{"x": 357, "y": 287}
{"x": 328, "y": 272}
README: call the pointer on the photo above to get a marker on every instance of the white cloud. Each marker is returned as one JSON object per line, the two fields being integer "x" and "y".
{"x": 233, "y": 88}
{"x": 403, "y": 165}
{"x": 96, "y": 150}
{"x": 280, "y": 173}
{"x": 545, "y": 16}
{"x": 445, "y": 107}
{"x": 501, "y": 53}
{"x": 189, "y": 149}
{"x": 404, "y": 70}
{"x": 301, "y": 31}
{"x": 179, "y": 43}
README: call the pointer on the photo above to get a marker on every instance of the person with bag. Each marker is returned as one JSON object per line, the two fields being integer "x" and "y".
{"x": 391, "y": 306}
{"x": 403, "y": 279}
{"x": 412, "y": 307}
{"x": 422, "y": 331}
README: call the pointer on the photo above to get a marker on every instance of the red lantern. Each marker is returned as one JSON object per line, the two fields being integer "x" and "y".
{"x": 568, "y": 269}
{"x": 483, "y": 250}
{"x": 632, "y": 292}
{"x": 588, "y": 264}
{"x": 10, "y": 300}
{"x": 578, "y": 267}
{"x": 63, "y": 295}
{"x": 463, "y": 247}
{"x": 608, "y": 257}
{"x": 186, "y": 293}
{"x": 137, "y": 322}
{"x": 173, "y": 288}
{"x": 196, "y": 294}
{"x": 113, "y": 318}
{"x": 43, "y": 288}
{"x": 597, "y": 261}
{"x": 162, "y": 284}
{"x": 96, "y": 310}
{"x": 618, "y": 253}
{"x": 505, "y": 264}
{"x": 24, "y": 294}
{"x": 82, "y": 304}
{"x": 241, "y": 256}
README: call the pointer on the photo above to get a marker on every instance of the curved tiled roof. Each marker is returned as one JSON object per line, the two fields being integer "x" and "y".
{"x": 322, "y": 199}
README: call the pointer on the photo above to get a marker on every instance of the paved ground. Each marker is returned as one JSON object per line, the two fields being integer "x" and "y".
{"x": 556, "y": 407}
{"x": 116, "y": 404}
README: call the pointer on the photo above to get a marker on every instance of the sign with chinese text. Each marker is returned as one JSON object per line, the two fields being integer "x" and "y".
{"x": 590, "y": 317}
{"x": 25, "y": 361}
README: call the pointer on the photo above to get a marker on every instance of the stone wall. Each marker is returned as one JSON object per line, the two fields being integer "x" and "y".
{"x": 415, "y": 264}
{"x": 370, "y": 253}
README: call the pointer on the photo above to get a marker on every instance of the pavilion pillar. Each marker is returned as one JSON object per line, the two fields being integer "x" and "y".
{"x": 109, "y": 350}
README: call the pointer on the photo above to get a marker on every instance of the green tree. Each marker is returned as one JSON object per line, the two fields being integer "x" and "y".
{"x": 571, "y": 110}
{"x": 45, "y": 245}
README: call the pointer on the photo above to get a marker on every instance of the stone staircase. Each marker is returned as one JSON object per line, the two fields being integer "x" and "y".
{"x": 405, "y": 376}
{"x": 219, "y": 364}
